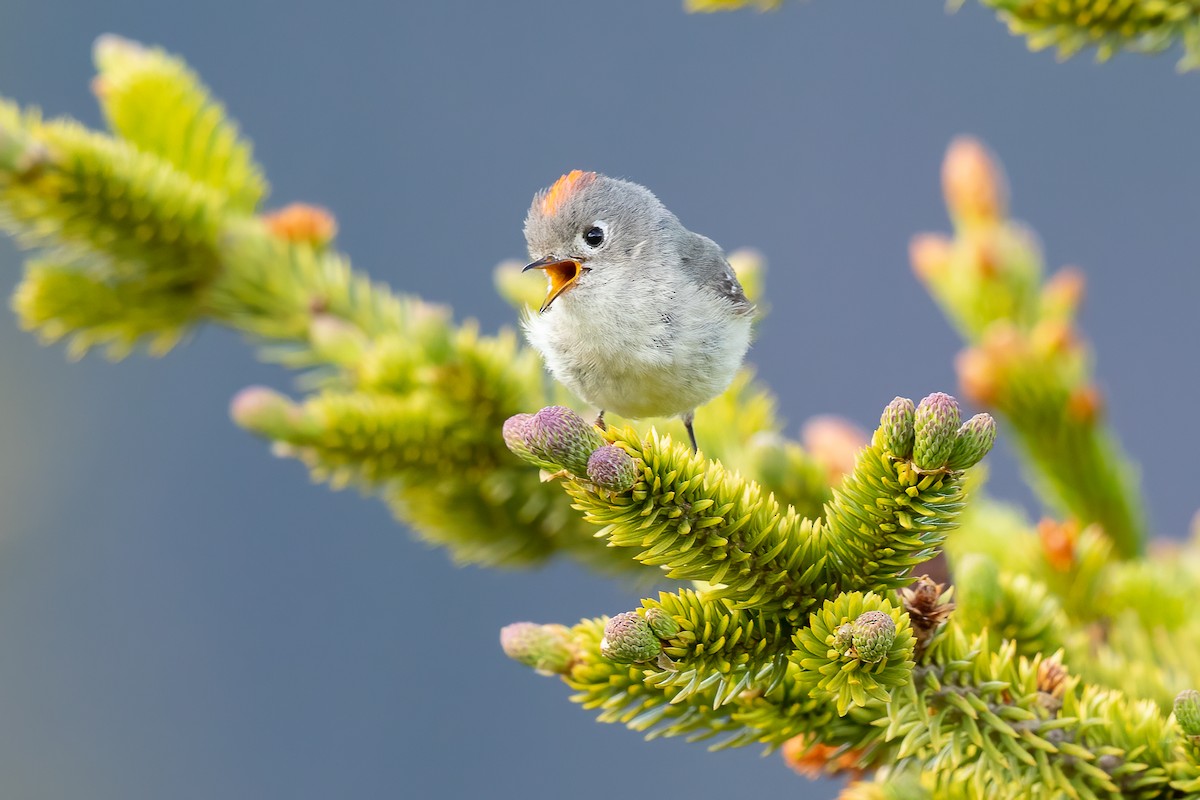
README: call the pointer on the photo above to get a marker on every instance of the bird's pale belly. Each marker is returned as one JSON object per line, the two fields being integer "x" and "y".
{"x": 632, "y": 389}
{"x": 641, "y": 367}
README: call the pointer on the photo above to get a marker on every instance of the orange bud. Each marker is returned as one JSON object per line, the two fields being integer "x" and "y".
{"x": 835, "y": 442}
{"x": 303, "y": 224}
{"x": 973, "y": 182}
{"x": 1063, "y": 293}
{"x": 820, "y": 760}
{"x": 1005, "y": 342}
{"x": 1053, "y": 337}
{"x": 978, "y": 376}
{"x": 930, "y": 255}
{"x": 1058, "y": 542}
{"x": 987, "y": 259}
{"x": 1085, "y": 404}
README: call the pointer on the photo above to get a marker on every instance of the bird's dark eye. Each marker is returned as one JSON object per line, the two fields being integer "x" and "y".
{"x": 594, "y": 236}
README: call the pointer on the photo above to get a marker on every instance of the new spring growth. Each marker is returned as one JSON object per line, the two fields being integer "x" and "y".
{"x": 972, "y": 442}
{"x": 611, "y": 468}
{"x": 302, "y": 223}
{"x": 662, "y": 623}
{"x": 515, "y": 431}
{"x": 974, "y": 184}
{"x": 560, "y": 436}
{"x": 930, "y": 435}
{"x": 855, "y": 649}
{"x": 935, "y": 425}
{"x": 551, "y": 438}
{"x": 897, "y": 424}
{"x": 546, "y": 648}
{"x": 267, "y": 412}
{"x": 629, "y": 639}
{"x": 868, "y": 638}
{"x": 843, "y": 640}
{"x": 1187, "y": 712}
{"x": 873, "y": 634}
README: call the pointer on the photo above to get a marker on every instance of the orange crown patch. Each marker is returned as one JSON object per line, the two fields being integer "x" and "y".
{"x": 563, "y": 188}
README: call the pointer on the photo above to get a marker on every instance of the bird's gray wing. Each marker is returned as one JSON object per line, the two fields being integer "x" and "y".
{"x": 706, "y": 263}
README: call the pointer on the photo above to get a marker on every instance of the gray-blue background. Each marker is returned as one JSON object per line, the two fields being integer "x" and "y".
{"x": 183, "y": 616}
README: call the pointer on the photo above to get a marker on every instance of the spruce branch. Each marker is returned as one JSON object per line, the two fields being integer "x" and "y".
{"x": 1140, "y": 26}
{"x": 1124, "y": 624}
{"x": 982, "y": 720}
{"x": 153, "y": 101}
{"x": 1013, "y": 608}
{"x": 1002, "y": 725}
{"x": 698, "y": 521}
{"x": 711, "y": 645}
{"x": 1070, "y": 26}
{"x": 637, "y": 695}
{"x": 1025, "y": 358}
{"x": 619, "y": 690}
{"x": 78, "y": 300}
{"x": 149, "y": 235}
{"x": 856, "y": 649}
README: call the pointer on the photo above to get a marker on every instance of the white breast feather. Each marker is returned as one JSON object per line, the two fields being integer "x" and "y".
{"x": 609, "y": 341}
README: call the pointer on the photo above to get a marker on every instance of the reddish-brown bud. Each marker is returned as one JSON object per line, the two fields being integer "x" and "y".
{"x": 973, "y": 182}
{"x": 303, "y": 224}
{"x": 1058, "y": 542}
{"x": 930, "y": 255}
{"x": 835, "y": 442}
{"x": 1085, "y": 404}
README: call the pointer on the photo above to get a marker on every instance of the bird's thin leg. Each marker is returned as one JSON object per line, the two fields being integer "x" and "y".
{"x": 600, "y": 421}
{"x": 687, "y": 422}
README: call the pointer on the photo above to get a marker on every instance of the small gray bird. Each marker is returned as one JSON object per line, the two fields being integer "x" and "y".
{"x": 642, "y": 317}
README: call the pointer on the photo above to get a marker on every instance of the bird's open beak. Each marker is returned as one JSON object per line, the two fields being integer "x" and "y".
{"x": 561, "y": 274}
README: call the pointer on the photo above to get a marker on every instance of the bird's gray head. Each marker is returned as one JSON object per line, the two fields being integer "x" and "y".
{"x": 587, "y": 222}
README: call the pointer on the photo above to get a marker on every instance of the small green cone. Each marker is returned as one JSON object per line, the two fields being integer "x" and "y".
{"x": 874, "y": 633}
{"x": 1187, "y": 712}
{"x": 897, "y": 425}
{"x": 560, "y": 436}
{"x": 972, "y": 442}
{"x": 628, "y": 639}
{"x": 613, "y": 469}
{"x": 662, "y": 623}
{"x": 546, "y": 648}
{"x": 936, "y": 424}
{"x": 516, "y": 429}
{"x": 843, "y": 639}
{"x": 258, "y": 408}
{"x": 268, "y": 413}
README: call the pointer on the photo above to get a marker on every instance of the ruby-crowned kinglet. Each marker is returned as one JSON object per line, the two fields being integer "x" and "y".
{"x": 642, "y": 317}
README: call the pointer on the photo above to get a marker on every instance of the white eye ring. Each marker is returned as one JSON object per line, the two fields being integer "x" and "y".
{"x": 595, "y": 235}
